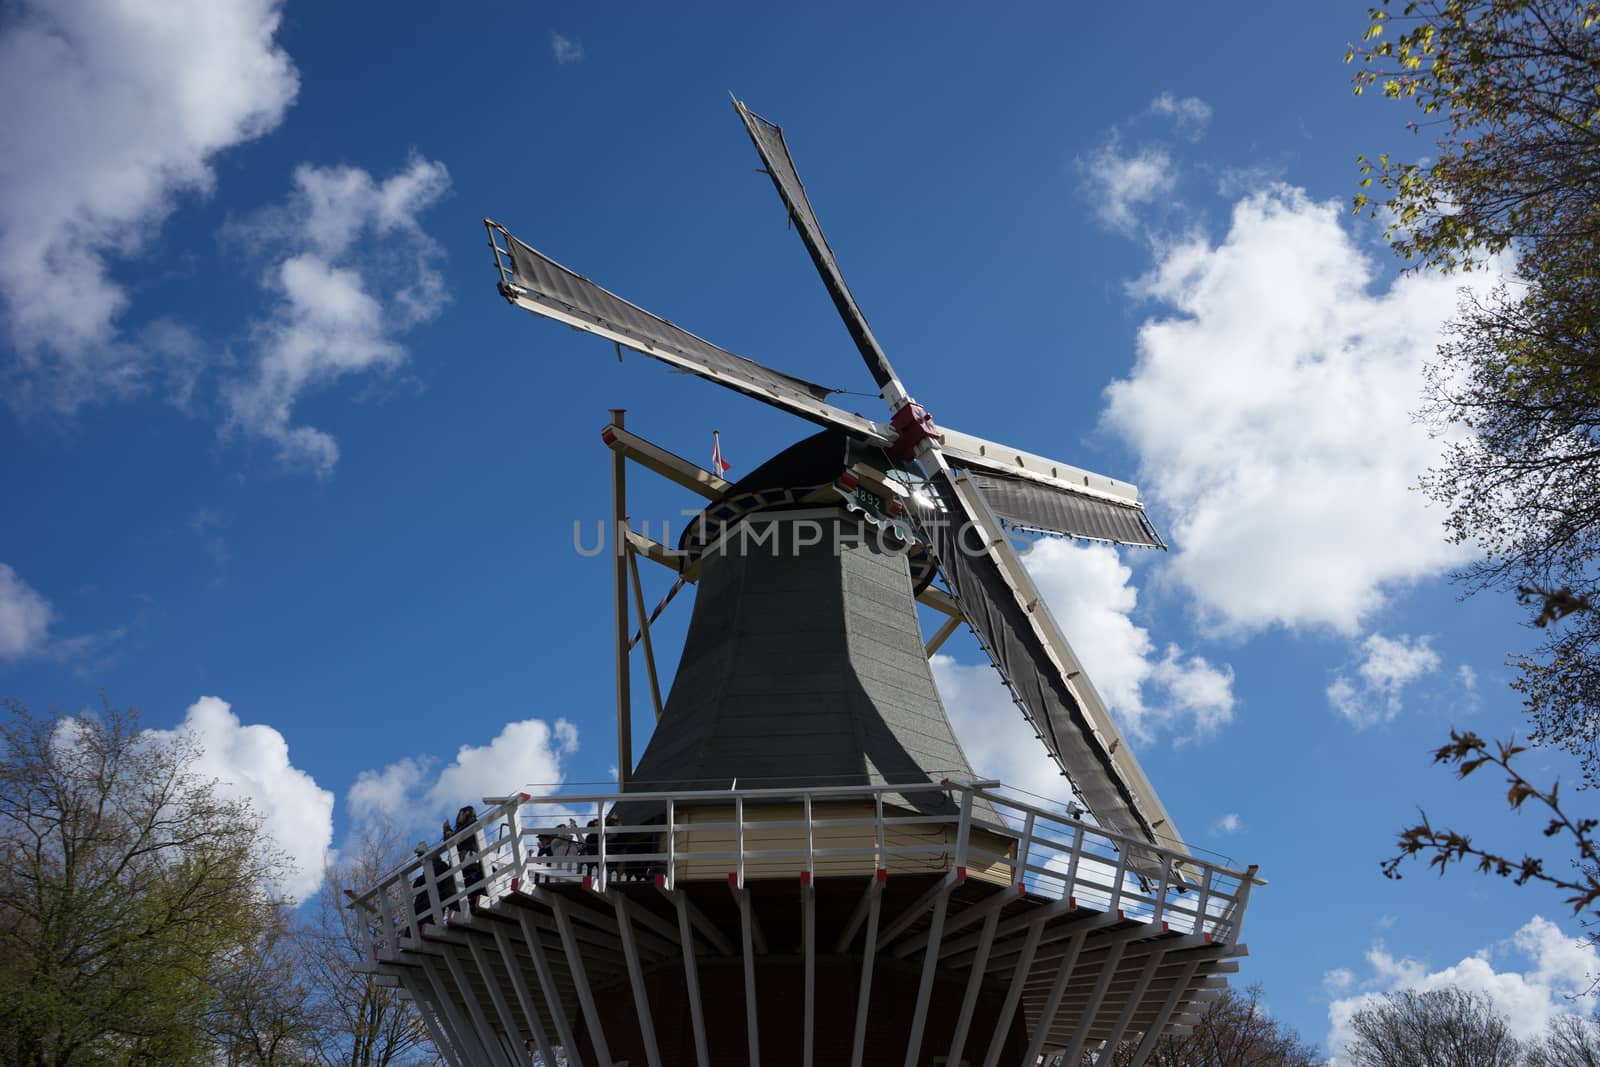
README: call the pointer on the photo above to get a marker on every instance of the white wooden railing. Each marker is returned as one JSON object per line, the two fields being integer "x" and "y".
{"x": 816, "y": 831}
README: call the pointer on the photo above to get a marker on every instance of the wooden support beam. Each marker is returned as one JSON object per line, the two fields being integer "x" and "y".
{"x": 874, "y": 900}
{"x": 656, "y": 552}
{"x": 912, "y": 913}
{"x": 993, "y": 905}
{"x": 930, "y": 962}
{"x": 497, "y": 997}
{"x": 480, "y": 1022}
{"x": 697, "y": 918}
{"x": 644, "y": 631}
{"x": 1148, "y": 1043}
{"x": 1135, "y": 997}
{"x": 672, "y": 467}
{"x": 580, "y": 978}
{"x": 751, "y": 1005}
{"x": 941, "y": 635}
{"x": 859, "y": 915}
{"x": 940, "y": 601}
{"x": 975, "y": 975}
{"x": 1052, "y": 1003}
{"x": 1091, "y": 1011}
{"x": 691, "y": 979}
{"x": 619, "y": 553}
{"x": 808, "y": 948}
{"x": 519, "y": 985}
{"x": 547, "y": 982}
{"x": 1019, "y": 978}
{"x": 641, "y": 999}
{"x": 466, "y": 1040}
{"x": 430, "y": 1021}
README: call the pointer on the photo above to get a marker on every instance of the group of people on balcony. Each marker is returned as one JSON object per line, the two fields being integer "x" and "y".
{"x": 447, "y": 884}
{"x": 562, "y": 855}
{"x": 557, "y": 846}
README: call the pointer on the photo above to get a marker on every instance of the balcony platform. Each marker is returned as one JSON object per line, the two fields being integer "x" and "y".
{"x": 862, "y": 932}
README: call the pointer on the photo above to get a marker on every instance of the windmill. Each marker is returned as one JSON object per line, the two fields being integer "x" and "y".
{"x": 935, "y": 911}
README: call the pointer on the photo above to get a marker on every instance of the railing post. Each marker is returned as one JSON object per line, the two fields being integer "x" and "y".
{"x": 962, "y": 827}
{"x": 811, "y": 871}
{"x": 430, "y": 879}
{"x": 1205, "y": 902}
{"x": 1072, "y": 864}
{"x": 600, "y": 870}
{"x": 386, "y": 917}
{"x": 672, "y": 843}
{"x": 1233, "y": 915}
{"x": 514, "y": 828}
{"x": 881, "y": 862}
{"x": 738, "y": 836}
{"x": 1161, "y": 890}
{"x": 1121, "y": 876}
{"x": 1019, "y": 865}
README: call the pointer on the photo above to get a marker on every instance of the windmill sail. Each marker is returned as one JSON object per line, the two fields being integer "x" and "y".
{"x": 768, "y": 138}
{"x": 538, "y": 283}
{"x": 1014, "y": 625}
{"x": 1028, "y": 505}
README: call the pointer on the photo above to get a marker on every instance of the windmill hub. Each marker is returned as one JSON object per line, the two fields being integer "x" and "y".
{"x": 913, "y": 426}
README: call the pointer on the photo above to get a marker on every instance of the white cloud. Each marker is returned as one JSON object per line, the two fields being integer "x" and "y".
{"x": 1149, "y": 691}
{"x": 1272, "y": 416}
{"x": 1189, "y": 114}
{"x": 384, "y": 794}
{"x": 1088, "y": 589}
{"x": 252, "y": 762}
{"x": 24, "y": 617}
{"x": 1228, "y": 824}
{"x": 118, "y": 109}
{"x": 527, "y": 752}
{"x": 356, "y": 270}
{"x": 1387, "y": 667}
{"x": 565, "y": 49}
{"x": 1116, "y": 182}
{"x": 1547, "y": 971}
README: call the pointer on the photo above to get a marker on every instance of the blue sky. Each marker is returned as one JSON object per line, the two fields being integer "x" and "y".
{"x": 280, "y": 463}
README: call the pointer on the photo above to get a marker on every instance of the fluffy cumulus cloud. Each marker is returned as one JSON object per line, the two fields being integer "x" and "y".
{"x": 1228, "y": 824}
{"x": 410, "y": 795}
{"x": 1189, "y": 114}
{"x": 1544, "y": 971}
{"x": 1149, "y": 688}
{"x": 1271, "y": 410}
{"x": 252, "y": 762}
{"x": 1118, "y": 179}
{"x": 1386, "y": 666}
{"x": 24, "y": 617}
{"x": 352, "y": 269}
{"x": 126, "y": 106}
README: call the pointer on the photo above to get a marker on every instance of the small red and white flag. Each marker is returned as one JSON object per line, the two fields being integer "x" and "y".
{"x": 719, "y": 466}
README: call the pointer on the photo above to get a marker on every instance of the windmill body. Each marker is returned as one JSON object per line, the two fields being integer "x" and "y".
{"x": 802, "y": 867}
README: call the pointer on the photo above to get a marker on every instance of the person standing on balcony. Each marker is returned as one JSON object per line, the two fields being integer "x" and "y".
{"x": 468, "y": 848}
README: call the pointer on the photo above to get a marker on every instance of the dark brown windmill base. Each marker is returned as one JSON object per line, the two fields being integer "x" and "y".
{"x": 780, "y": 992}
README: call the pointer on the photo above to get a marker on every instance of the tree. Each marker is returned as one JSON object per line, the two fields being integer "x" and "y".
{"x": 260, "y": 1015}
{"x": 128, "y": 880}
{"x": 1448, "y": 1027}
{"x": 1511, "y": 89}
{"x": 1507, "y": 86}
{"x": 357, "y": 1022}
{"x": 1233, "y": 1032}
{"x": 1571, "y": 1042}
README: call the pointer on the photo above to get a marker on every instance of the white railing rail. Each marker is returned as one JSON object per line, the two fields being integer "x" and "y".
{"x": 525, "y": 841}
